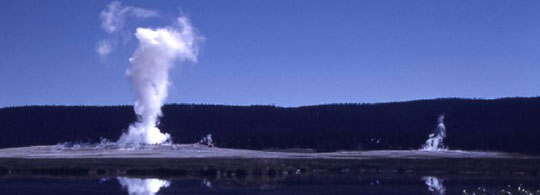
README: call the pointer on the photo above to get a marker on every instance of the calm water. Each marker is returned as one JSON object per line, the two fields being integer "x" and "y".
{"x": 294, "y": 185}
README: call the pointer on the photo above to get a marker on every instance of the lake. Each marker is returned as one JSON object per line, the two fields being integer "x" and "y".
{"x": 294, "y": 185}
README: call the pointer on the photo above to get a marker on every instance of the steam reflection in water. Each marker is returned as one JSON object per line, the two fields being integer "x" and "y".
{"x": 136, "y": 186}
{"x": 435, "y": 185}
{"x": 293, "y": 185}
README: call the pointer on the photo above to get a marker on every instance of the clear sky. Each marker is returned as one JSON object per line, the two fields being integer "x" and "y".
{"x": 282, "y": 52}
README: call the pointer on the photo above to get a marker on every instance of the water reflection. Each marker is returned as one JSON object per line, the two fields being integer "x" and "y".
{"x": 291, "y": 185}
{"x": 207, "y": 183}
{"x": 136, "y": 186}
{"x": 435, "y": 185}
{"x": 509, "y": 190}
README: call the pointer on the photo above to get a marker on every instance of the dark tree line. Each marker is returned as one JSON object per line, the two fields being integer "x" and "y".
{"x": 508, "y": 124}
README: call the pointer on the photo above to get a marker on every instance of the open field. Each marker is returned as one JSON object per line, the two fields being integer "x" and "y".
{"x": 196, "y": 160}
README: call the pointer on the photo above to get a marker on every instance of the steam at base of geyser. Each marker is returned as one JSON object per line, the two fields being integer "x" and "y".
{"x": 435, "y": 140}
{"x": 158, "y": 50}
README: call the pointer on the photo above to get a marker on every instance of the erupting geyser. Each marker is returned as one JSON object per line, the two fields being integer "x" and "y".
{"x": 158, "y": 50}
{"x": 435, "y": 140}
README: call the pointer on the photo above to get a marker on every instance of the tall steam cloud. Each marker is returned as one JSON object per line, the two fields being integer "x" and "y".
{"x": 158, "y": 50}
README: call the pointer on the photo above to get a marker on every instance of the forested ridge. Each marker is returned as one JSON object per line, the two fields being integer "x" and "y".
{"x": 508, "y": 124}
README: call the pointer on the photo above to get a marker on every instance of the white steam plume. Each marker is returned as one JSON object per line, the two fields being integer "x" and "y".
{"x": 156, "y": 54}
{"x": 435, "y": 140}
{"x": 136, "y": 186}
{"x": 104, "y": 47}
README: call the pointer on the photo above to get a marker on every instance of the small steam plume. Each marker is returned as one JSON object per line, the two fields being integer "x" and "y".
{"x": 435, "y": 140}
{"x": 113, "y": 19}
{"x": 158, "y": 50}
{"x": 136, "y": 186}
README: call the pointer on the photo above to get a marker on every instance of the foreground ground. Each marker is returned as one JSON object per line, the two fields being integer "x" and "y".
{"x": 178, "y": 160}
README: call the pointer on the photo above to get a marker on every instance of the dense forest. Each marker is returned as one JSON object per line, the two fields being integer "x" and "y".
{"x": 508, "y": 124}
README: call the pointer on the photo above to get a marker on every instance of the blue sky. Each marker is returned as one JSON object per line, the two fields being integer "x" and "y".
{"x": 281, "y": 52}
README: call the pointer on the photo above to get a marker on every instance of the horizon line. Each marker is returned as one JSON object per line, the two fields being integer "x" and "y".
{"x": 280, "y": 106}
